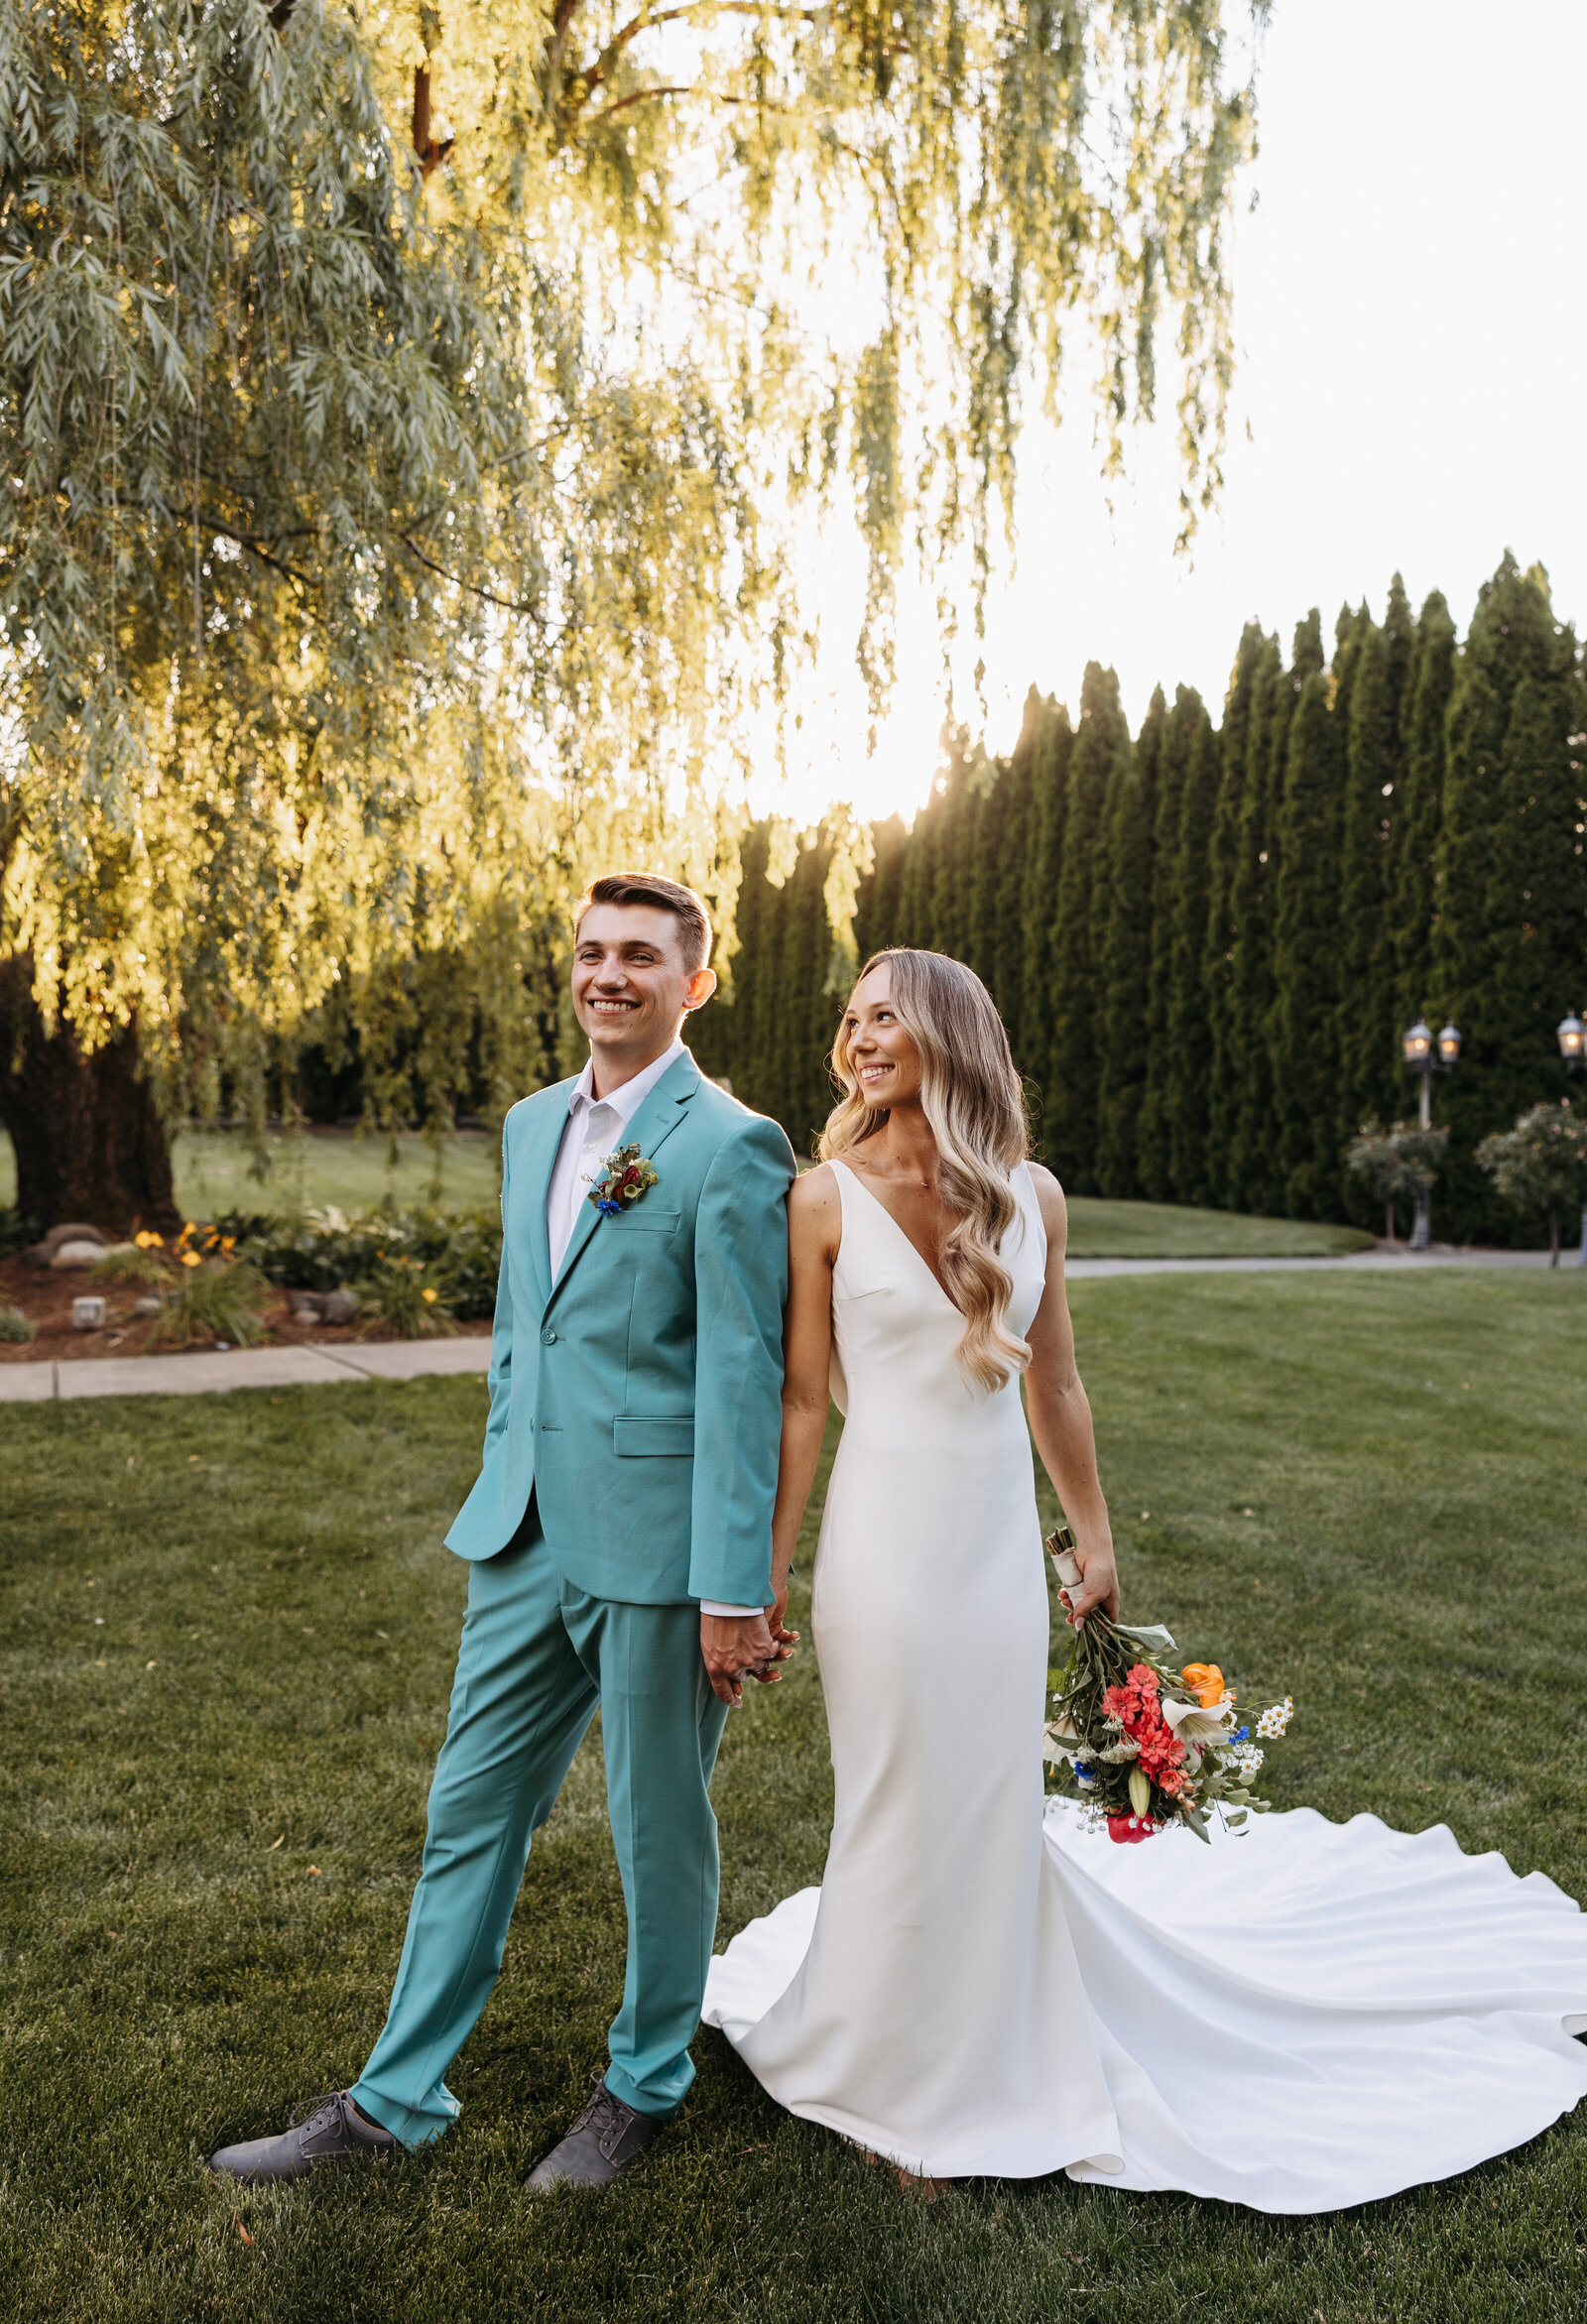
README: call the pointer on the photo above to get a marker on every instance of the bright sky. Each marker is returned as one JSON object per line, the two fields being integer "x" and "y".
{"x": 1413, "y": 358}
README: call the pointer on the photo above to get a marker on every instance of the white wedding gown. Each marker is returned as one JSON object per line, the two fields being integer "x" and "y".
{"x": 1308, "y": 2015}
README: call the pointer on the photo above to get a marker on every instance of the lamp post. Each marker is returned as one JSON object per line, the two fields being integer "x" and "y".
{"x": 1424, "y": 1053}
{"x": 1572, "y": 1038}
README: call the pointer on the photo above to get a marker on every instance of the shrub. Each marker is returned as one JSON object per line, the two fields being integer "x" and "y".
{"x": 402, "y": 1301}
{"x": 215, "y": 1300}
{"x": 130, "y": 1265}
{"x": 1397, "y": 1164}
{"x": 458, "y": 1251}
{"x": 1540, "y": 1166}
{"x": 14, "y": 1325}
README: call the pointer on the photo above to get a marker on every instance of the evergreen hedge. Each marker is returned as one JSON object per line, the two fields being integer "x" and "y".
{"x": 1206, "y": 942}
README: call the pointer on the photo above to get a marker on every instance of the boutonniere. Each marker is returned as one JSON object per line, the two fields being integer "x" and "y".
{"x": 628, "y": 1177}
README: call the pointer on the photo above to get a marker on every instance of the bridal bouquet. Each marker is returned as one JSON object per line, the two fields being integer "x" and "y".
{"x": 1145, "y": 1744}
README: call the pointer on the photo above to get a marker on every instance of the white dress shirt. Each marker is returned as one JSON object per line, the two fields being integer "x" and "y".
{"x": 594, "y": 1130}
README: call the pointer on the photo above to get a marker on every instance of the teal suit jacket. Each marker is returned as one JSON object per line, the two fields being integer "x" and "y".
{"x": 639, "y": 1398}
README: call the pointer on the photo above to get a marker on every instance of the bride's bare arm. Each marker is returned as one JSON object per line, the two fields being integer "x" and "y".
{"x": 1060, "y": 1416}
{"x": 814, "y": 1230}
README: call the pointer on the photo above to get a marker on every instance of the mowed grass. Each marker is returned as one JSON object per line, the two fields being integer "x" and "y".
{"x": 215, "y": 1172}
{"x": 1367, "y": 1492}
{"x": 1174, "y": 1230}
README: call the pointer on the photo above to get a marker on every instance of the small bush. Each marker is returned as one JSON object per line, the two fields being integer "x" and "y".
{"x": 400, "y": 1300}
{"x": 459, "y": 1252}
{"x": 132, "y": 1266}
{"x": 213, "y": 1300}
{"x": 14, "y": 1325}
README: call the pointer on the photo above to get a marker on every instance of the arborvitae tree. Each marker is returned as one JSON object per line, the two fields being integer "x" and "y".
{"x": 1006, "y": 867}
{"x": 875, "y": 915}
{"x": 1507, "y": 943}
{"x": 1370, "y": 716}
{"x": 1049, "y": 799}
{"x": 1429, "y": 683}
{"x": 1188, "y": 1028}
{"x": 1167, "y": 742}
{"x": 1305, "y": 920}
{"x": 1125, "y": 966}
{"x": 1223, "y": 856}
{"x": 1101, "y": 749}
{"x": 1250, "y": 1179}
{"x": 1419, "y": 834}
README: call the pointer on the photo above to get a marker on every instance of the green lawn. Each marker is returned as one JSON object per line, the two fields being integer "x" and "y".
{"x": 214, "y": 1174}
{"x": 214, "y": 1170}
{"x": 1173, "y": 1230}
{"x": 1366, "y": 1492}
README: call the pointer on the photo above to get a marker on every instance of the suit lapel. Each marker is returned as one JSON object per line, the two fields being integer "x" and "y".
{"x": 540, "y": 1159}
{"x": 649, "y": 1130}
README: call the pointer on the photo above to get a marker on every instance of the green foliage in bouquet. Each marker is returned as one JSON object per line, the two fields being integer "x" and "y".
{"x": 1142, "y": 1743}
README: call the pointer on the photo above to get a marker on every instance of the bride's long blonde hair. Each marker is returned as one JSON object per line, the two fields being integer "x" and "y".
{"x": 971, "y": 1096}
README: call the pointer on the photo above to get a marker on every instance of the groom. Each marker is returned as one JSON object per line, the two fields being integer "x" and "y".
{"x": 618, "y": 1538}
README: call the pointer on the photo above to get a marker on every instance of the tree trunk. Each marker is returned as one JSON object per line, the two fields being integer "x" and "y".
{"x": 88, "y": 1139}
{"x": 1553, "y": 1238}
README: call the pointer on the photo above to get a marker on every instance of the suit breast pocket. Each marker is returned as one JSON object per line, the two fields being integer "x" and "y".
{"x": 645, "y": 1221}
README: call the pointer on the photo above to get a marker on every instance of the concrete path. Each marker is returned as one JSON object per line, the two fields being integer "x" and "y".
{"x": 1356, "y": 1262}
{"x": 213, "y": 1373}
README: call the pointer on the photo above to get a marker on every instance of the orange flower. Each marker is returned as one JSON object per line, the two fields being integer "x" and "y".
{"x": 1205, "y": 1681}
{"x": 428, "y": 1298}
{"x": 192, "y": 1259}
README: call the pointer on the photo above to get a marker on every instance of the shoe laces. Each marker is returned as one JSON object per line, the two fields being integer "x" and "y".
{"x": 314, "y": 2106}
{"x": 608, "y": 2117}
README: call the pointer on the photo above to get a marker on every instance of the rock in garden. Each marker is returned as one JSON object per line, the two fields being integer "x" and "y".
{"x": 71, "y": 1231}
{"x": 150, "y": 1305}
{"x": 340, "y": 1305}
{"x": 79, "y": 1253}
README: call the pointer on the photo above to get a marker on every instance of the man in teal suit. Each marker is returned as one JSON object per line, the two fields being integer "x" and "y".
{"x": 618, "y": 1537}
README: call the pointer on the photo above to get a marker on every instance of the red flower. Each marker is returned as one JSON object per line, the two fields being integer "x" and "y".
{"x": 1130, "y": 1827}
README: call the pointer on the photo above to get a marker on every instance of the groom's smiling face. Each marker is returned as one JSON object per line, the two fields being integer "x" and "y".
{"x": 631, "y": 984}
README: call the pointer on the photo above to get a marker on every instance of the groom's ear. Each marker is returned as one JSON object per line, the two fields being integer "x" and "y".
{"x": 699, "y": 988}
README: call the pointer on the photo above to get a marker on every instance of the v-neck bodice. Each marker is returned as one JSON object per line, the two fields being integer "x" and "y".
{"x": 895, "y": 1331}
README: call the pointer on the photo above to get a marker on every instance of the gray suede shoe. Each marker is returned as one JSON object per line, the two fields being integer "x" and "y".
{"x": 607, "y": 2138}
{"x": 329, "y": 2130}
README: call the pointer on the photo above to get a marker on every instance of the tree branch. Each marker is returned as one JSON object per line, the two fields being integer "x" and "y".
{"x": 647, "y": 18}
{"x": 507, "y": 604}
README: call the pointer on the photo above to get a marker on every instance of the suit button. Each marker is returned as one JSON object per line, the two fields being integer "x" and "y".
{"x": 548, "y": 1339}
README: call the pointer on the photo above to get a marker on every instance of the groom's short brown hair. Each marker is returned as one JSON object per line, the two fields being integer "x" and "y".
{"x": 695, "y": 929}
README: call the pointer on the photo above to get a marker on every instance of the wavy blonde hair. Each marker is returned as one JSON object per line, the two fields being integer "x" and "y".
{"x": 973, "y": 1101}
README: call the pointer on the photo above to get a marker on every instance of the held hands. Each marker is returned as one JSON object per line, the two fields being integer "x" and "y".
{"x": 751, "y": 1646}
{"x": 1099, "y": 1580}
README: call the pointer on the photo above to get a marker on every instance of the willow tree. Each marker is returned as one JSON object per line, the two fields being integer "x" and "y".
{"x": 406, "y": 431}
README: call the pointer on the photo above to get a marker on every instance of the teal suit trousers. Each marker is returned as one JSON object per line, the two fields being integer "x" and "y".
{"x": 537, "y": 1656}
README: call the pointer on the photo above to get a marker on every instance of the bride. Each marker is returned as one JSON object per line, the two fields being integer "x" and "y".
{"x": 1307, "y": 2015}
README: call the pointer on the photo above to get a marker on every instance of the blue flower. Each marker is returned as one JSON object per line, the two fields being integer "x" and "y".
{"x": 1241, "y": 1735}
{"x": 608, "y": 1208}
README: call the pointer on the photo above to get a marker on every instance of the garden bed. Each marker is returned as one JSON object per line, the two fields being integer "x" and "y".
{"x": 45, "y": 1297}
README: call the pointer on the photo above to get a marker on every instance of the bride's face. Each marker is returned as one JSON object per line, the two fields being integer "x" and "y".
{"x": 882, "y": 1056}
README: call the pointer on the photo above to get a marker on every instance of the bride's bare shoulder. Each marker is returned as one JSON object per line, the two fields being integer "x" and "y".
{"x": 1050, "y": 1201}
{"x": 815, "y": 1211}
{"x": 814, "y": 1194}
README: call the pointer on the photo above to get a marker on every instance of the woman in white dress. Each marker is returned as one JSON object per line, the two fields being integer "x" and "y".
{"x": 1305, "y": 2016}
